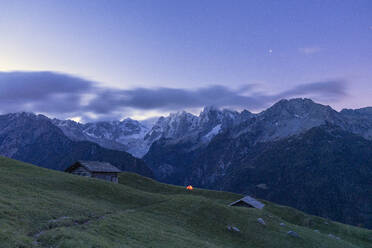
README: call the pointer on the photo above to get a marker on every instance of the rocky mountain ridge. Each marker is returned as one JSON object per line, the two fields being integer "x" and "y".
{"x": 283, "y": 119}
{"x": 35, "y": 139}
{"x": 136, "y": 138}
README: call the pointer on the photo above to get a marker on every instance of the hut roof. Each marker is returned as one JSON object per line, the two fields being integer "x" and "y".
{"x": 95, "y": 166}
{"x": 250, "y": 201}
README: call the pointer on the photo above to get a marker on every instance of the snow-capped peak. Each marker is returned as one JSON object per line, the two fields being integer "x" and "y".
{"x": 137, "y": 137}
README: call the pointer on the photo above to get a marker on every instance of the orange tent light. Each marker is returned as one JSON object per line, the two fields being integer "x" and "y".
{"x": 189, "y": 187}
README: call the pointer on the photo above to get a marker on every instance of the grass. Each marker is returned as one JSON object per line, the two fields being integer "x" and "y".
{"x": 45, "y": 208}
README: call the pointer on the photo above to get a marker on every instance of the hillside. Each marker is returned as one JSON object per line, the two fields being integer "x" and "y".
{"x": 325, "y": 171}
{"x": 45, "y": 208}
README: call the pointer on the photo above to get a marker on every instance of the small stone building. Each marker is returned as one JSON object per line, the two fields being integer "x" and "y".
{"x": 95, "y": 169}
{"x": 248, "y": 202}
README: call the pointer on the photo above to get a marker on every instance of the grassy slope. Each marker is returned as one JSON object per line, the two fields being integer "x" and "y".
{"x": 44, "y": 208}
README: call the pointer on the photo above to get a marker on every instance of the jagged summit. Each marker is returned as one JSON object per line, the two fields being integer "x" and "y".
{"x": 298, "y": 105}
{"x": 362, "y": 111}
{"x": 27, "y": 115}
{"x": 299, "y": 108}
{"x": 24, "y": 113}
{"x": 118, "y": 135}
{"x": 298, "y": 100}
{"x": 213, "y": 109}
{"x": 210, "y": 108}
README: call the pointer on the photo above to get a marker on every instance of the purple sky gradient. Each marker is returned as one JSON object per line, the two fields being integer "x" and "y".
{"x": 277, "y": 46}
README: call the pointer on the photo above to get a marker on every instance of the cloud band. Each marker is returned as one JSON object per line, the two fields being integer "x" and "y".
{"x": 62, "y": 95}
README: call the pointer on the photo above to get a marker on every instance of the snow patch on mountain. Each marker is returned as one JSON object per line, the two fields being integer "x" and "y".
{"x": 213, "y": 132}
{"x": 118, "y": 135}
{"x": 137, "y": 137}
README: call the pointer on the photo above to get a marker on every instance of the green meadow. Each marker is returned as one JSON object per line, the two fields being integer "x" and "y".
{"x": 46, "y": 208}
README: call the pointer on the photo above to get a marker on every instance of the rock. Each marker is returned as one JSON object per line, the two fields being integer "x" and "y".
{"x": 325, "y": 222}
{"x": 59, "y": 219}
{"x": 282, "y": 224}
{"x": 316, "y": 230}
{"x": 261, "y": 221}
{"x": 293, "y": 234}
{"x": 333, "y": 236}
{"x": 233, "y": 228}
{"x": 262, "y": 186}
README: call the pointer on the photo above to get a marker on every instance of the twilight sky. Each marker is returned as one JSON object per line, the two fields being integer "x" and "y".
{"x": 113, "y": 59}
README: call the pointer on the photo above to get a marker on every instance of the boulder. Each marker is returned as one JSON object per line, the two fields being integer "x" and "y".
{"x": 261, "y": 221}
{"x": 333, "y": 236}
{"x": 233, "y": 229}
{"x": 293, "y": 234}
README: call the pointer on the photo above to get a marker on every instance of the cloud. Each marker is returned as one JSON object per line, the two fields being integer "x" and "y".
{"x": 328, "y": 90}
{"x": 65, "y": 96}
{"x": 41, "y": 92}
{"x": 169, "y": 99}
{"x": 309, "y": 50}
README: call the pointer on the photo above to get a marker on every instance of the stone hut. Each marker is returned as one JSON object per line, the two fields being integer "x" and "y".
{"x": 95, "y": 169}
{"x": 249, "y": 202}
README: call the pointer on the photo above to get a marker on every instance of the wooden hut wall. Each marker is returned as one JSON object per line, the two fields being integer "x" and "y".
{"x": 81, "y": 171}
{"x": 106, "y": 176}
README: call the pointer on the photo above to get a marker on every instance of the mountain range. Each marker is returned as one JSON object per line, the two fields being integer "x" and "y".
{"x": 283, "y": 119}
{"x": 35, "y": 139}
{"x": 297, "y": 152}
